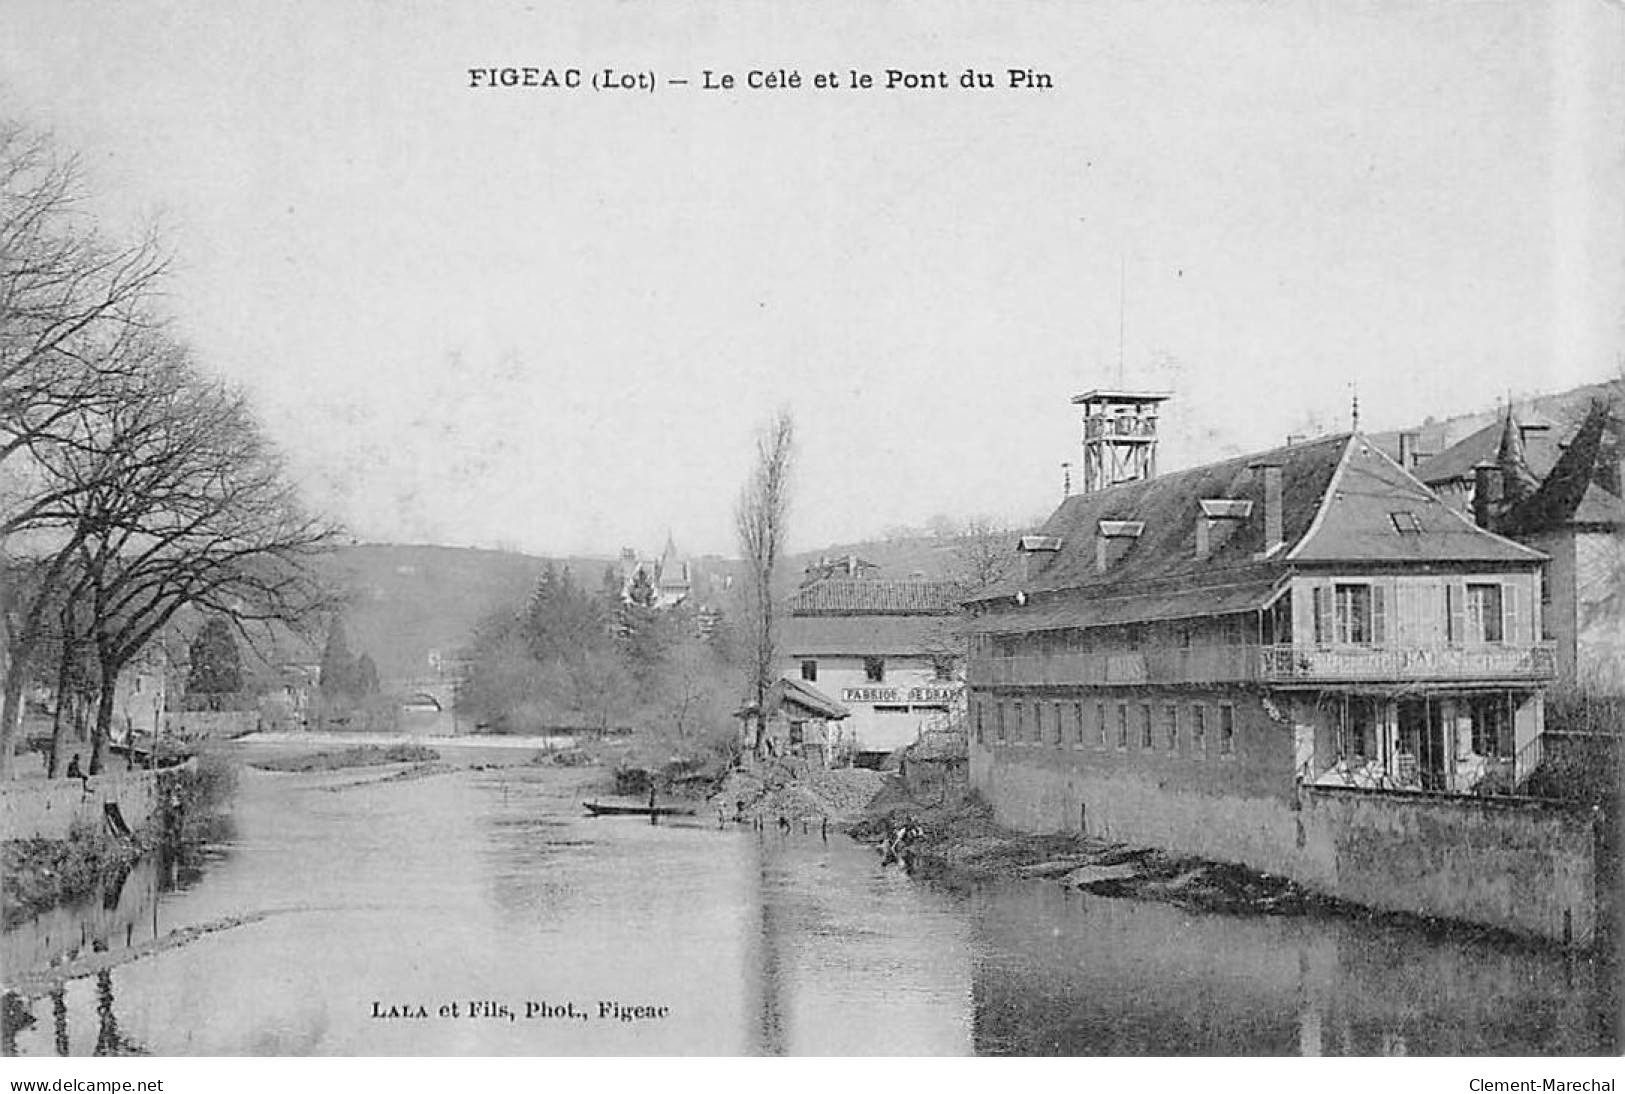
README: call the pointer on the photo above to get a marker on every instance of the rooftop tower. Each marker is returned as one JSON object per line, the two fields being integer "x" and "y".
{"x": 1119, "y": 436}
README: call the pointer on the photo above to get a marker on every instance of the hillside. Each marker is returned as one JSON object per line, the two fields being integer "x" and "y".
{"x": 409, "y": 600}
{"x": 1564, "y": 409}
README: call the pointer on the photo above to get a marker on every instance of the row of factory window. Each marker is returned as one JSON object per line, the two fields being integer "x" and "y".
{"x": 1147, "y": 726}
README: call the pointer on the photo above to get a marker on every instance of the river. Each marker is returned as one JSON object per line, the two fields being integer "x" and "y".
{"x": 478, "y": 912}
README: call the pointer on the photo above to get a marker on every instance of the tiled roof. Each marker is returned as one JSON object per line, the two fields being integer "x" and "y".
{"x": 854, "y": 596}
{"x": 864, "y": 635}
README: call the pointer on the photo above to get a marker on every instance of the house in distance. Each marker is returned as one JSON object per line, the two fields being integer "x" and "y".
{"x": 885, "y": 650}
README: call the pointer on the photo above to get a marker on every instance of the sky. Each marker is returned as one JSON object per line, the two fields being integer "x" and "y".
{"x": 554, "y": 320}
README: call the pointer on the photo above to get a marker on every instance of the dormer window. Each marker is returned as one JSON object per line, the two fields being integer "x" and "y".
{"x": 1218, "y": 519}
{"x": 1112, "y": 539}
{"x": 1405, "y": 523}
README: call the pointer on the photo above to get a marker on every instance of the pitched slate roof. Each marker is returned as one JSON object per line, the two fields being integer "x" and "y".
{"x": 1338, "y": 498}
{"x": 855, "y": 596}
{"x": 1540, "y": 451}
{"x": 788, "y": 692}
{"x": 1355, "y": 523}
{"x": 792, "y": 692}
{"x": 1145, "y": 605}
{"x": 1574, "y": 492}
{"x": 1168, "y": 506}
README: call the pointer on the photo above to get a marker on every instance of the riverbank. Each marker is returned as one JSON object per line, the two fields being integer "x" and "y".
{"x": 798, "y": 793}
{"x": 365, "y": 755}
{"x": 42, "y": 873}
{"x": 493, "y": 879}
{"x": 960, "y": 842}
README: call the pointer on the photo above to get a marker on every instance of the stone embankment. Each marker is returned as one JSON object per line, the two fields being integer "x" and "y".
{"x": 50, "y": 808}
{"x": 960, "y": 841}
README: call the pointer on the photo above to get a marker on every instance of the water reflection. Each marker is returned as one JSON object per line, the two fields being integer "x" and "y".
{"x": 118, "y": 915}
{"x": 491, "y": 887}
{"x": 59, "y": 1012}
{"x": 1075, "y": 974}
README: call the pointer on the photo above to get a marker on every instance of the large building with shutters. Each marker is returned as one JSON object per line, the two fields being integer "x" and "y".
{"x": 1182, "y": 656}
{"x": 1559, "y": 489}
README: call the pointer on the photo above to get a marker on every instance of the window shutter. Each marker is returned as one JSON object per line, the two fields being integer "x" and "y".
{"x": 1455, "y": 613}
{"x": 1379, "y": 614}
{"x": 1512, "y": 612}
{"x": 1323, "y": 615}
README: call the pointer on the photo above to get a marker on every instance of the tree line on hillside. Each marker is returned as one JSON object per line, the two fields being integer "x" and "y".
{"x": 136, "y": 488}
{"x": 576, "y": 658}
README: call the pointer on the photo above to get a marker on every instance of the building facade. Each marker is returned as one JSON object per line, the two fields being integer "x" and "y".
{"x": 887, "y": 651}
{"x": 1560, "y": 492}
{"x": 665, "y": 582}
{"x": 1262, "y": 661}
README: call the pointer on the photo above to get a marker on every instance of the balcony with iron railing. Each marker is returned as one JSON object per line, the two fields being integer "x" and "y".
{"x": 1534, "y": 663}
{"x": 1281, "y": 665}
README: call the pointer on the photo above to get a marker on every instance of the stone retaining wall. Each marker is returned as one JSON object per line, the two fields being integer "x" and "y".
{"x": 47, "y": 808}
{"x": 1520, "y": 864}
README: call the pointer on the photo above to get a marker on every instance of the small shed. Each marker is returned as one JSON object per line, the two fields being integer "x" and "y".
{"x": 801, "y": 721}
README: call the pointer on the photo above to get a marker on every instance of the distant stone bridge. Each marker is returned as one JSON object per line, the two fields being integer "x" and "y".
{"x": 443, "y": 692}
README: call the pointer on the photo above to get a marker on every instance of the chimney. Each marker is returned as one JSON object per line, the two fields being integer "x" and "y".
{"x": 1274, "y": 507}
{"x": 1407, "y": 450}
{"x": 1112, "y": 539}
{"x": 1487, "y": 491}
{"x": 1037, "y": 552}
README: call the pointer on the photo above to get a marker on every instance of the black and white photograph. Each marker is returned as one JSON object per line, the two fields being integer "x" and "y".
{"x": 827, "y": 529}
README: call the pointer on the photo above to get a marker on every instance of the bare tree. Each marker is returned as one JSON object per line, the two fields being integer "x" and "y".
{"x": 759, "y": 518}
{"x": 70, "y": 305}
{"x": 204, "y": 518}
{"x": 171, "y": 497}
{"x": 68, "y": 300}
{"x": 132, "y": 486}
{"x": 983, "y": 554}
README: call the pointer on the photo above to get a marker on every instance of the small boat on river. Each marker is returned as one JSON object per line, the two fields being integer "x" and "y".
{"x": 598, "y": 810}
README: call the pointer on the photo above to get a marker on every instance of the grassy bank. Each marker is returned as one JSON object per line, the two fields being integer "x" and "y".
{"x": 43, "y": 873}
{"x": 342, "y": 758}
{"x": 196, "y": 804}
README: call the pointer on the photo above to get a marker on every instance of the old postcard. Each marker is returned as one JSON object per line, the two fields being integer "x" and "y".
{"x": 827, "y": 529}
